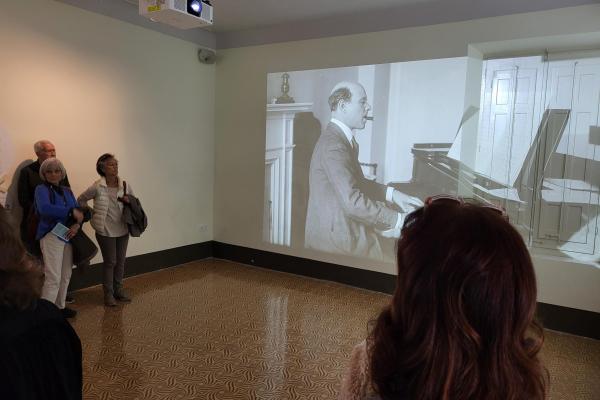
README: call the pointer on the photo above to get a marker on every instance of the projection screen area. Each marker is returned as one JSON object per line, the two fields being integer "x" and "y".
{"x": 350, "y": 151}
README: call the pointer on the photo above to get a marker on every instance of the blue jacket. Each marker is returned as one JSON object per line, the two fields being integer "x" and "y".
{"x": 52, "y": 207}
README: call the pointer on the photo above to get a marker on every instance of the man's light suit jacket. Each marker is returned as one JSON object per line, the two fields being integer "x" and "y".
{"x": 344, "y": 208}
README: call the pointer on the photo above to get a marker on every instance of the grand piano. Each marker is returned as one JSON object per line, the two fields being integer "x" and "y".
{"x": 552, "y": 211}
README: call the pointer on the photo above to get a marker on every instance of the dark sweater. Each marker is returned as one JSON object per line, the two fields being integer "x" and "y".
{"x": 40, "y": 355}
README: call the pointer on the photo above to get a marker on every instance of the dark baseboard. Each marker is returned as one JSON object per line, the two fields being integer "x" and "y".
{"x": 563, "y": 319}
{"x": 559, "y": 318}
{"x": 143, "y": 263}
{"x": 361, "y": 278}
{"x": 569, "y": 320}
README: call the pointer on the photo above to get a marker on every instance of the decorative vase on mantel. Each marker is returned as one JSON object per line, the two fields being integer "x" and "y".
{"x": 285, "y": 98}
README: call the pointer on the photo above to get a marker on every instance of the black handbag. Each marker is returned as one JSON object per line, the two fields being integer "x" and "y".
{"x": 83, "y": 248}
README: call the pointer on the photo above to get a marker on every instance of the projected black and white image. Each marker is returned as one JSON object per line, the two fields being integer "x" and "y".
{"x": 350, "y": 151}
{"x": 346, "y": 212}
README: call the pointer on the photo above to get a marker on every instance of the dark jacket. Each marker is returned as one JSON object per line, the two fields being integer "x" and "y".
{"x": 40, "y": 354}
{"x": 135, "y": 217}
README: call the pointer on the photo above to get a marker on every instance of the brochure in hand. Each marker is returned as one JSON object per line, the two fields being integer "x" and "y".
{"x": 61, "y": 232}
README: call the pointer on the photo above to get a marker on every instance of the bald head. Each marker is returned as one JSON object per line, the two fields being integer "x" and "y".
{"x": 44, "y": 149}
{"x": 348, "y": 104}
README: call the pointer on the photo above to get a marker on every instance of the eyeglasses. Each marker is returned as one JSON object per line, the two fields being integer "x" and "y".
{"x": 54, "y": 171}
{"x": 462, "y": 200}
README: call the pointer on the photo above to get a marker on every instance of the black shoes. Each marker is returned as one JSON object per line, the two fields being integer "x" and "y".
{"x": 122, "y": 295}
{"x": 68, "y": 312}
{"x": 109, "y": 300}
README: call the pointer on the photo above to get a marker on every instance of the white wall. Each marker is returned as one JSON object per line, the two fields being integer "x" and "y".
{"x": 240, "y": 118}
{"x": 92, "y": 84}
{"x": 426, "y": 104}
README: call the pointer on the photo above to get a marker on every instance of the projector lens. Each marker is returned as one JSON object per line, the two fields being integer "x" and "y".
{"x": 194, "y": 7}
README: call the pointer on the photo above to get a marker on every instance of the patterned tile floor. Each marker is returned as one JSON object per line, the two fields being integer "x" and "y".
{"x": 219, "y": 330}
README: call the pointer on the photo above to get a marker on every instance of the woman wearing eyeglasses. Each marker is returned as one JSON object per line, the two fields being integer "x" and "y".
{"x": 460, "y": 324}
{"x": 110, "y": 194}
{"x": 56, "y": 206}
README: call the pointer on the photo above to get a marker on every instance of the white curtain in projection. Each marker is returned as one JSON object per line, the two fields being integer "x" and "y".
{"x": 520, "y": 132}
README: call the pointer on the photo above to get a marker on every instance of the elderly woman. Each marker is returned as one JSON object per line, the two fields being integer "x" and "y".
{"x": 460, "y": 324}
{"x": 56, "y": 204}
{"x": 110, "y": 194}
{"x": 40, "y": 353}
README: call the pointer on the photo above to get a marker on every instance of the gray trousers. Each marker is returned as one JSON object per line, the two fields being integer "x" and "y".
{"x": 113, "y": 251}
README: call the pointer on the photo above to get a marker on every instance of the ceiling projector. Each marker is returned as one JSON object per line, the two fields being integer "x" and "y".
{"x": 182, "y": 14}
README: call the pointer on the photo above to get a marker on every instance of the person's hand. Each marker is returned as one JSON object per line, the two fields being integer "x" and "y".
{"x": 78, "y": 215}
{"x": 73, "y": 229}
{"x": 405, "y": 202}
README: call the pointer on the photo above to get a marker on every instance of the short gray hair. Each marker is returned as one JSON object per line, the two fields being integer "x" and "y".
{"x": 340, "y": 94}
{"x": 52, "y": 163}
{"x": 39, "y": 145}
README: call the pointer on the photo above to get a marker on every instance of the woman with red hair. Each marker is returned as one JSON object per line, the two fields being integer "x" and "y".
{"x": 460, "y": 324}
{"x": 40, "y": 353}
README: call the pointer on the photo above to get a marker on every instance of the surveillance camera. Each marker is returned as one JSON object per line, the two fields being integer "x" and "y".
{"x": 206, "y": 56}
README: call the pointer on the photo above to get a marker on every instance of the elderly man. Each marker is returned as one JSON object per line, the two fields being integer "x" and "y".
{"x": 28, "y": 180}
{"x": 347, "y": 212}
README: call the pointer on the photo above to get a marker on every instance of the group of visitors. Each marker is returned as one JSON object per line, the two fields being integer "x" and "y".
{"x": 49, "y": 204}
{"x": 460, "y": 324}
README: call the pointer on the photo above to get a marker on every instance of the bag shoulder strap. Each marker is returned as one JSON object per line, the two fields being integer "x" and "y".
{"x": 51, "y": 194}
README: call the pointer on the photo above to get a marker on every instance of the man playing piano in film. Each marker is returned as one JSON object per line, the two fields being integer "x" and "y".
{"x": 346, "y": 212}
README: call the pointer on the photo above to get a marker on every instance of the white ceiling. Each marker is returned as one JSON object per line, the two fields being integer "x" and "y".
{"x": 234, "y": 15}
{"x": 252, "y": 22}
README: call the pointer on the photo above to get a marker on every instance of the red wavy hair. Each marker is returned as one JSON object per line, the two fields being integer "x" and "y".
{"x": 461, "y": 321}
